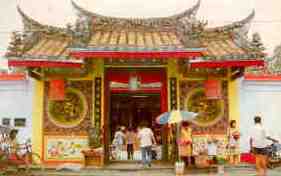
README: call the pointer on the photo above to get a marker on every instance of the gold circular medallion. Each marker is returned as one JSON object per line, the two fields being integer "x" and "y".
{"x": 69, "y": 112}
{"x": 210, "y": 111}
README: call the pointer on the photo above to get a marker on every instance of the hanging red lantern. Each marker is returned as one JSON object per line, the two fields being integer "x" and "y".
{"x": 57, "y": 90}
{"x": 213, "y": 89}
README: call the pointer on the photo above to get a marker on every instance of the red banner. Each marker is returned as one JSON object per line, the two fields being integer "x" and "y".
{"x": 56, "y": 90}
{"x": 213, "y": 89}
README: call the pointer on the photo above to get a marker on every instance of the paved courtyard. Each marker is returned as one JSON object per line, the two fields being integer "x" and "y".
{"x": 241, "y": 171}
{"x": 153, "y": 173}
{"x": 130, "y": 169}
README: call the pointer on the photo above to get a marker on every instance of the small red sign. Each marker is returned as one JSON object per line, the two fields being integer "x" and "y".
{"x": 213, "y": 89}
{"x": 56, "y": 90}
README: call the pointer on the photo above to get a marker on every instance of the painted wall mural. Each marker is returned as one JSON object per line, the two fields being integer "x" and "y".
{"x": 213, "y": 116}
{"x": 72, "y": 115}
{"x": 64, "y": 148}
{"x": 201, "y": 142}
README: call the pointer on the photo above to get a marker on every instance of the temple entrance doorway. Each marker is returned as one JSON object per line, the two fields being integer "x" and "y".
{"x": 133, "y": 96}
{"x": 128, "y": 111}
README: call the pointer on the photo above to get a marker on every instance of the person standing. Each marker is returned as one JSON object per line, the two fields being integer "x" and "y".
{"x": 130, "y": 140}
{"x": 185, "y": 143}
{"x": 13, "y": 144}
{"x": 146, "y": 138}
{"x": 233, "y": 143}
{"x": 119, "y": 141}
{"x": 258, "y": 144}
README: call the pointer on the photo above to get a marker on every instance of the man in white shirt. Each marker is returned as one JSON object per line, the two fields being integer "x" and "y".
{"x": 258, "y": 144}
{"x": 146, "y": 139}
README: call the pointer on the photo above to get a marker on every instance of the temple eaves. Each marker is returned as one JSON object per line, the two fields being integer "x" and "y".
{"x": 109, "y": 34}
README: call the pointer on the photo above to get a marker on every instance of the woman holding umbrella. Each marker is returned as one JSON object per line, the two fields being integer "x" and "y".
{"x": 185, "y": 143}
{"x": 184, "y": 134}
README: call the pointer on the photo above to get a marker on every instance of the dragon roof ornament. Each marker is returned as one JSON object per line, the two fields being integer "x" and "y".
{"x": 172, "y": 20}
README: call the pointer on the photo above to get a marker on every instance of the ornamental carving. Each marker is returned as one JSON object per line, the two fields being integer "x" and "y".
{"x": 213, "y": 114}
{"x": 73, "y": 115}
{"x": 69, "y": 112}
{"x": 210, "y": 110}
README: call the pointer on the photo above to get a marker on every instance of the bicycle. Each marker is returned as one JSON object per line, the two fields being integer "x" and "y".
{"x": 21, "y": 159}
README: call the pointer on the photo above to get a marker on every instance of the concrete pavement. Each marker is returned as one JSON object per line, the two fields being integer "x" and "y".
{"x": 238, "y": 171}
{"x": 135, "y": 169}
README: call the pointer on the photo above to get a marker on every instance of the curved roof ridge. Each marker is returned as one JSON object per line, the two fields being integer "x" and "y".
{"x": 187, "y": 13}
{"x": 28, "y": 22}
{"x": 235, "y": 25}
{"x": 33, "y": 25}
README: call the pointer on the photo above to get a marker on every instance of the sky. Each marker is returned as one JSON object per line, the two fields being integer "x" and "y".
{"x": 267, "y": 21}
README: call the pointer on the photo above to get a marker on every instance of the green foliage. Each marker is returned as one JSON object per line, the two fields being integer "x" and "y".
{"x": 275, "y": 63}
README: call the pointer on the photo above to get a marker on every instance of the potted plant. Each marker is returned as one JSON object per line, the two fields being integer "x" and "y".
{"x": 221, "y": 161}
{"x": 93, "y": 155}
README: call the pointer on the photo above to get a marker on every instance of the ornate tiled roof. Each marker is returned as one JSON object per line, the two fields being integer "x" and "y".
{"x": 184, "y": 16}
{"x": 49, "y": 47}
{"x": 134, "y": 39}
{"x": 180, "y": 32}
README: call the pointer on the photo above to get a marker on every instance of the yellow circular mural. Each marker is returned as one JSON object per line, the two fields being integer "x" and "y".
{"x": 210, "y": 110}
{"x": 70, "y": 111}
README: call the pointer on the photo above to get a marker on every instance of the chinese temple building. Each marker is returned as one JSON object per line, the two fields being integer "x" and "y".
{"x": 104, "y": 72}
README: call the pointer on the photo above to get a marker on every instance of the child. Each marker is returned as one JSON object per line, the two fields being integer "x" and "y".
{"x": 212, "y": 150}
{"x": 233, "y": 143}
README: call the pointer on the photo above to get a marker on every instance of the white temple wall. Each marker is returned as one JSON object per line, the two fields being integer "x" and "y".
{"x": 16, "y": 103}
{"x": 259, "y": 98}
